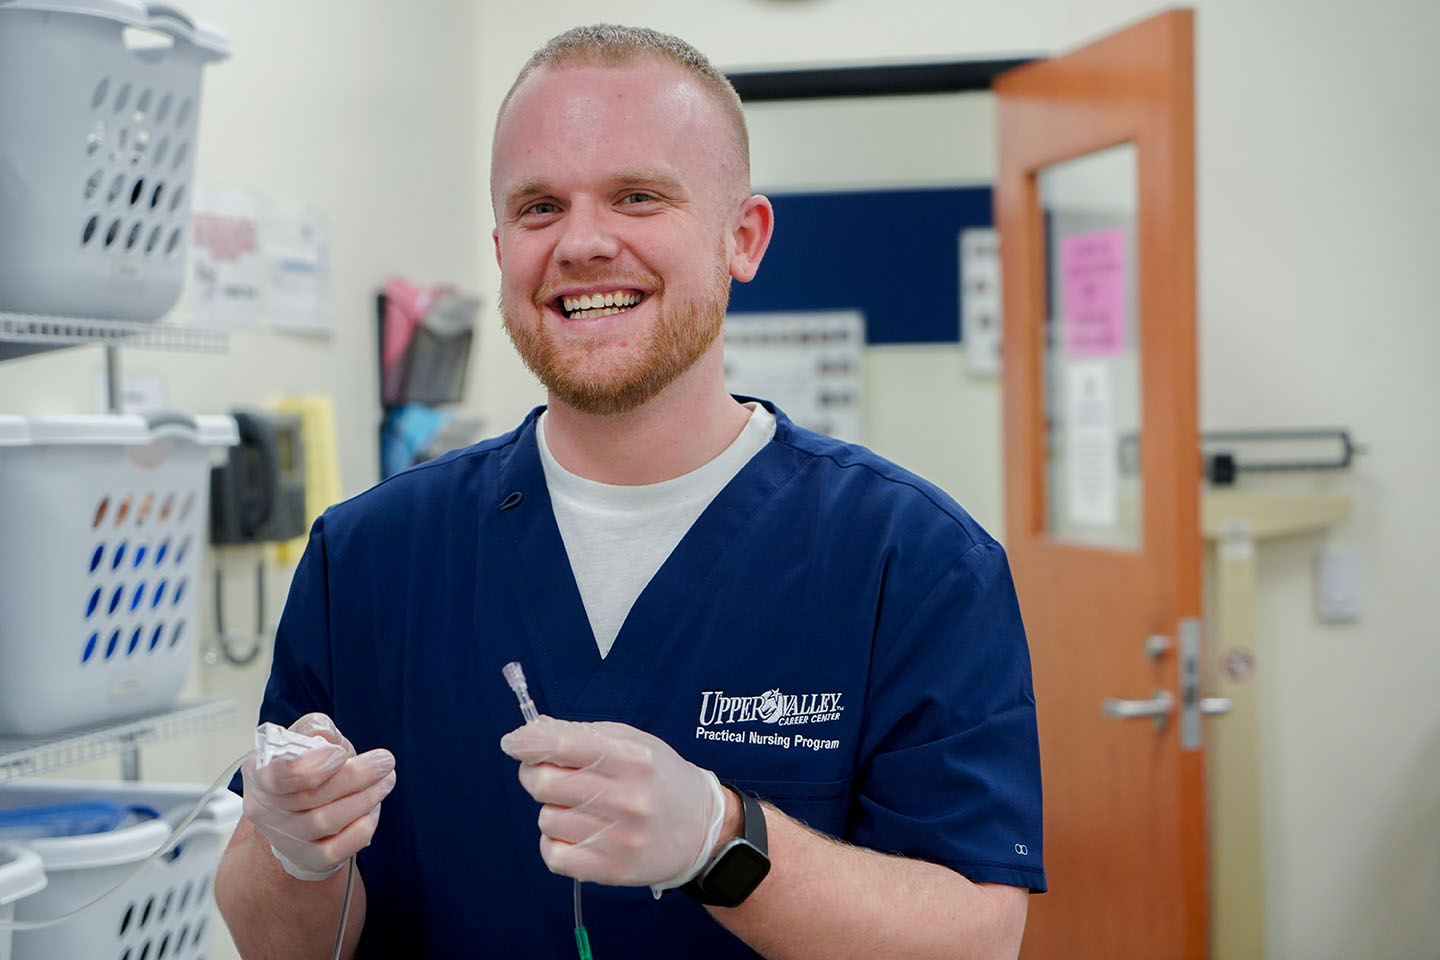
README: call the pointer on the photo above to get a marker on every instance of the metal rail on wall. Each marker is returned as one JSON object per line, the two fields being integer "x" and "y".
{"x": 21, "y": 755}
{"x": 1222, "y": 465}
{"x": 22, "y": 334}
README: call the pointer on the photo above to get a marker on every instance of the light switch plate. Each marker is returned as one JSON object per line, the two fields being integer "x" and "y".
{"x": 1337, "y": 586}
{"x": 139, "y": 393}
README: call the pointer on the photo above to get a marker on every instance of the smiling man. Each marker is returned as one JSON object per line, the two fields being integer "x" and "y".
{"x": 796, "y": 700}
{"x": 629, "y": 184}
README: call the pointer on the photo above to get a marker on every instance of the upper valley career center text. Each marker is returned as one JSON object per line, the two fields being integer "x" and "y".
{"x": 772, "y": 706}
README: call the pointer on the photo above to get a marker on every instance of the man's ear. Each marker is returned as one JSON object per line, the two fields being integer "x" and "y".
{"x": 495, "y": 235}
{"x": 752, "y": 237}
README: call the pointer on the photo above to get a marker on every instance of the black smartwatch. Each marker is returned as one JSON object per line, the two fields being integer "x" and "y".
{"x": 735, "y": 872}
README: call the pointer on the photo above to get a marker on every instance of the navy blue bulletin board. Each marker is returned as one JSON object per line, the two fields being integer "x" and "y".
{"x": 893, "y": 254}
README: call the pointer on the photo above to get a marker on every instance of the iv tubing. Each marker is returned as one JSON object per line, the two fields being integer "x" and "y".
{"x": 164, "y": 848}
{"x": 344, "y": 909}
{"x": 514, "y": 676}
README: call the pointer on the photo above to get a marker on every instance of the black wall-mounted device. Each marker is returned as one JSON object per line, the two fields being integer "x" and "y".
{"x": 258, "y": 495}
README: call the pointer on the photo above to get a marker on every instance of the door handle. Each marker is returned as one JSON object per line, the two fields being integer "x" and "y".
{"x": 1157, "y": 708}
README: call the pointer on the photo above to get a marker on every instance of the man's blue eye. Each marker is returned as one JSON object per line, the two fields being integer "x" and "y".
{"x": 637, "y": 197}
{"x": 540, "y": 208}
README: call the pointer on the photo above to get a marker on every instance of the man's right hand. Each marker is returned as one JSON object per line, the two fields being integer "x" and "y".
{"x": 320, "y": 808}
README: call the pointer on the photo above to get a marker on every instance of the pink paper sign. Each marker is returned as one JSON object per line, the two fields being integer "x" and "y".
{"x": 1093, "y": 291}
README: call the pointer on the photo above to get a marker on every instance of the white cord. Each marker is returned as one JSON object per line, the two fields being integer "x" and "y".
{"x": 165, "y": 847}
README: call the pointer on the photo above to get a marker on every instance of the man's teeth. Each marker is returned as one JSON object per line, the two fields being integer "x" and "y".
{"x": 591, "y": 305}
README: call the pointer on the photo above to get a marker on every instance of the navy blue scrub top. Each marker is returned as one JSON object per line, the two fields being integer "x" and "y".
{"x": 834, "y": 634}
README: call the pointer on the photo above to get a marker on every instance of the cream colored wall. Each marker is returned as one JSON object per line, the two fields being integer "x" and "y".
{"x": 1317, "y": 242}
{"x": 1315, "y": 126}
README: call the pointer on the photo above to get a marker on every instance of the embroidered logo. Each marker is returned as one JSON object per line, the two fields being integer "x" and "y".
{"x": 718, "y": 711}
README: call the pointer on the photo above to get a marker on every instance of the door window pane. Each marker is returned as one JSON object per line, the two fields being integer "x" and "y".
{"x": 1092, "y": 349}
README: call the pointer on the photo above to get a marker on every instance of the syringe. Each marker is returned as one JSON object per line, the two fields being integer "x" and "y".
{"x": 515, "y": 676}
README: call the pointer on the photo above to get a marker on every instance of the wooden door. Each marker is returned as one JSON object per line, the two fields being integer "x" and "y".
{"x": 1096, "y": 214}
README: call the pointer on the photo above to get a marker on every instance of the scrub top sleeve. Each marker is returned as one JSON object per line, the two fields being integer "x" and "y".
{"x": 950, "y": 767}
{"x": 300, "y": 674}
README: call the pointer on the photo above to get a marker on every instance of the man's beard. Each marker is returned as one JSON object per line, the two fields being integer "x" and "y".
{"x": 682, "y": 333}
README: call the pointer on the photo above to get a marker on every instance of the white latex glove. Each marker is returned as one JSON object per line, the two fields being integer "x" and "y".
{"x": 320, "y": 808}
{"x": 620, "y": 806}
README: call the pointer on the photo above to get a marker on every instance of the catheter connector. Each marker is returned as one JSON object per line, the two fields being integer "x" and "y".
{"x": 515, "y": 676}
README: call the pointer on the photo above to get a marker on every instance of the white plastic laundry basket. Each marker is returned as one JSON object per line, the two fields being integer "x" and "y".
{"x": 166, "y": 912}
{"x": 97, "y": 147}
{"x": 103, "y": 524}
{"x": 20, "y": 876}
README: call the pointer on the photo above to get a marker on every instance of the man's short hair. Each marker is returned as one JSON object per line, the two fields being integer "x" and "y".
{"x": 612, "y": 45}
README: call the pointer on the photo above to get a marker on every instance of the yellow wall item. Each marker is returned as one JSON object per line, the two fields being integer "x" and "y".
{"x": 322, "y": 463}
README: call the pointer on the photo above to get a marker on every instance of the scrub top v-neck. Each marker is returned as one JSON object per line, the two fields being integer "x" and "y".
{"x": 662, "y": 592}
{"x": 616, "y": 536}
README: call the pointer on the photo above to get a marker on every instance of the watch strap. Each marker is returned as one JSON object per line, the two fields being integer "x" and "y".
{"x": 753, "y": 835}
{"x": 752, "y": 820}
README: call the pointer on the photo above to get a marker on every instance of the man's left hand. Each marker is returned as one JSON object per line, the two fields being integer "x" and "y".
{"x": 620, "y": 806}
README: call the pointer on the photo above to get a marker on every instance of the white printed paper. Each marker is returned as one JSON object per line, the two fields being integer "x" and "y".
{"x": 297, "y": 268}
{"x": 1092, "y": 477}
{"x": 808, "y": 364}
{"x": 225, "y": 276}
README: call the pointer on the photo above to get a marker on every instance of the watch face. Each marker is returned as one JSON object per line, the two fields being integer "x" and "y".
{"x": 736, "y": 873}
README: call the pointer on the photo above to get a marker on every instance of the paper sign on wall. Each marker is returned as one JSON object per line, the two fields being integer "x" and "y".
{"x": 980, "y": 299}
{"x": 225, "y": 275}
{"x": 807, "y": 363}
{"x": 1092, "y": 476}
{"x": 1093, "y": 289}
{"x": 297, "y": 256}
{"x": 255, "y": 261}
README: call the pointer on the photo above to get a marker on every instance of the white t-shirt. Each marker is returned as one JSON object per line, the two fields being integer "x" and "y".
{"x": 617, "y": 536}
